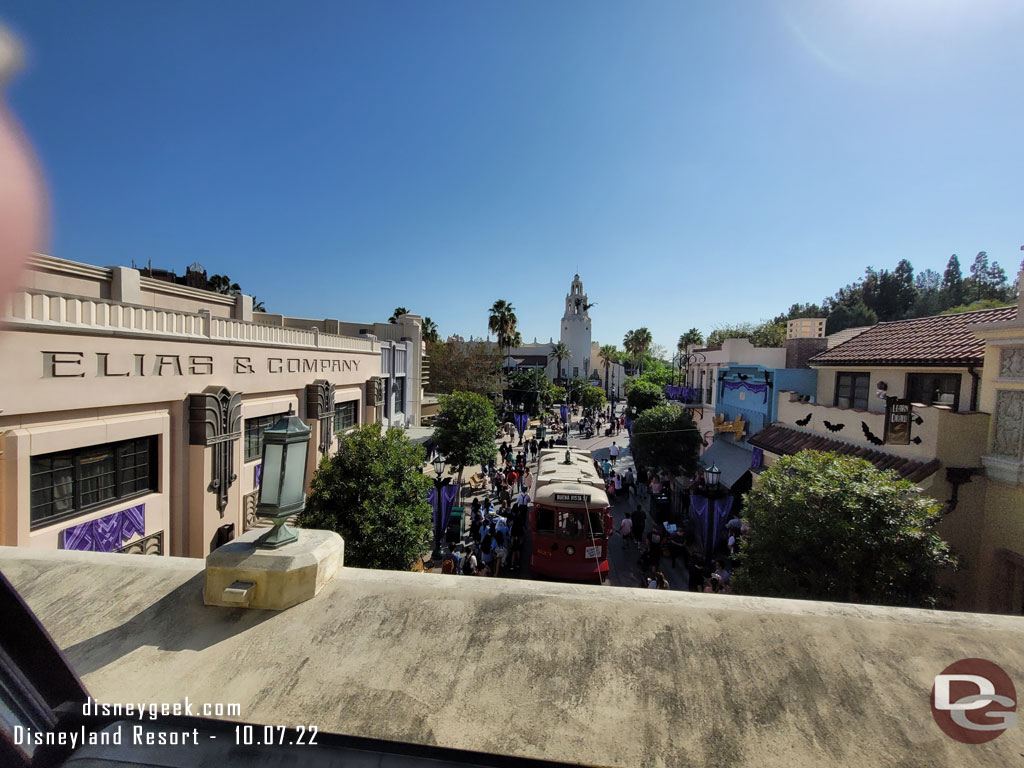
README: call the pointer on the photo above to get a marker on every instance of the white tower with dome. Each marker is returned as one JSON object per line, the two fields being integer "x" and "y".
{"x": 576, "y": 331}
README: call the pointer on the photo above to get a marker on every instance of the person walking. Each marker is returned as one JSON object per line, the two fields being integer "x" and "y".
{"x": 626, "y": 531}
{"x": 639, "y": 523}
{"x": 613, "y": 452}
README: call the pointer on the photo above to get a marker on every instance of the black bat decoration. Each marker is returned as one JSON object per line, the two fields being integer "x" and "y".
{"x": 833, "y": 427}
{"x": 804, "y": 421}
{"x": 741, "y": 377}
{"x": 916, "y": 441}
{"x": 869, "y": 435}
{"x": 918, "y": 420}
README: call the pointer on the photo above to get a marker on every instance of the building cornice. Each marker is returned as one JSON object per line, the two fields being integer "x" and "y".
{"x": 42, "y": 261}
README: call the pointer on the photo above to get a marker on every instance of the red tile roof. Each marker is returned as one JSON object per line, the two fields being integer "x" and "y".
{"x": 936, "y": 340}
{"x": 786, "y": 442}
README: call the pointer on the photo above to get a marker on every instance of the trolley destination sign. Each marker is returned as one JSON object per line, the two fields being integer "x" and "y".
{"x": 573, "y": 498}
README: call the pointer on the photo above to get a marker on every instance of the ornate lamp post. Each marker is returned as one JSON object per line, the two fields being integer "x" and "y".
{"x": 712, "y": 476}
{"x": 283, "y": 480}
{"x": 439, "y": 483}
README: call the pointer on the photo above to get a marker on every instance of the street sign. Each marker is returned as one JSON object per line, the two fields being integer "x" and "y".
{"x": 573, "y": 498}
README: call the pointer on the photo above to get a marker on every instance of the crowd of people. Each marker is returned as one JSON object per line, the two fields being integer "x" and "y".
{"x": 498, "y": 521}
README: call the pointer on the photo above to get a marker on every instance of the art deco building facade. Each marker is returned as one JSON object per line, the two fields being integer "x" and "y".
{"x": 132, "y": 409}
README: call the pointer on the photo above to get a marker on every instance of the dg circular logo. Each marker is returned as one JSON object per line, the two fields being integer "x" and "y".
{"x": 974, "y": 701}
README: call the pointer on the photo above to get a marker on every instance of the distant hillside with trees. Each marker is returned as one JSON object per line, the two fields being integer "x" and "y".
{"x": 883, "y": 295}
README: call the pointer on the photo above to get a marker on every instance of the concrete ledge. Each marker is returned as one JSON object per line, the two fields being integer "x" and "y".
{"x": 450, "y": 660}
{"x": 241, "y": 575}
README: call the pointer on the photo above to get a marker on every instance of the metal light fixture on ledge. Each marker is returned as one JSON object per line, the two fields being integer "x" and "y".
{"x": 283, "y": 479}
{"x": 713, "y": 474}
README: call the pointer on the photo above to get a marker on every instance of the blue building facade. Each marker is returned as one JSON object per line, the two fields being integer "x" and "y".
{"x": 752, "y": 393}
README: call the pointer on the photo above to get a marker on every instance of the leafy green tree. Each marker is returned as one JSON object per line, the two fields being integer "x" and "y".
{"x": 843, "y": 317}
{"x": 974, "y": 306}
{"x": 464, "y": 430}
{"x": 644, "y": 395}
{"x": 592, "y": 397}
{"x": 666, "y": 437}
{"x": 399, "y": 311}
{"x": 373, "y": 493}
{"x": 656, "y": 371}
{"x": 766, "y": 334}
{"x": 468, "y": 367}
{"x": 529, "y": 387}
{"x": 831, "y": 527}
{"x": 575, "y": 387}
{"x": 797, "y": 311}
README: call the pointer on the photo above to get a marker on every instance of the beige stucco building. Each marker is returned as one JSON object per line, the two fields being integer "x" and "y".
{"x": 961, "y": 381}
{"x": 132, "y": 409}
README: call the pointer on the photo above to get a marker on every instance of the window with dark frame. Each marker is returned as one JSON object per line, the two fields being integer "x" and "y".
{"x": 345, "y": 416}
{"x": 67, "y": 484}
{"x": 852, "y": 390}
{"x": 934, "y": 389}
{"x": 399, "y": 406}
{"x": 254, "y": 429}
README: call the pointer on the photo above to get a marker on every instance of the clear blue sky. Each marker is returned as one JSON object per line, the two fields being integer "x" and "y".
{"x": 697, "y": 162}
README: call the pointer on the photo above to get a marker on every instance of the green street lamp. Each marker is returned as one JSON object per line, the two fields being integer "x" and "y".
{"x": 283, "y": 479}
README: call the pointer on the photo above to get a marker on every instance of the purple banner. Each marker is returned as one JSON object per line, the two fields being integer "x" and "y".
{"x": 723, "y": 507}
{"x": 699, "y": 519}
{"x": 108, "y": 533}
{"x": 257, "y": 475}
{"x": 521, "y": 420}
{"x": 756, "y": 458}
{"x": 563, "y": 411}
{"x": 672, "y": 392}
{"x": 449, "y": 493}
{"x": 747, "y": 386}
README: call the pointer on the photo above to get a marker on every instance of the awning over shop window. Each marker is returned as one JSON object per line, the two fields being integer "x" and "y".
{"x": 732, "y": 459}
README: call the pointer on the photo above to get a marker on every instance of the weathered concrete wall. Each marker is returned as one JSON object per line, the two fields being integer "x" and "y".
{"x": 596, "y": 675}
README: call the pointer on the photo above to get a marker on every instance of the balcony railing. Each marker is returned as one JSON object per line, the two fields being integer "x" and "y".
{"x": 30, "y": 308}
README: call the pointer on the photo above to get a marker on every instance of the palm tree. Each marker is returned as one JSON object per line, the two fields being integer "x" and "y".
{"x": 643, "y": 341}
{"x": 222, "y": 284}
{"x": 502, "y": 323}
{"x": 691, "y": 337}
{"x": 560, "y": 350}
{"x": 399, "y": 311}
{"x": 430, "y": 330}
{"x": 609, "y": 353}
{"x": 258, "y": 305}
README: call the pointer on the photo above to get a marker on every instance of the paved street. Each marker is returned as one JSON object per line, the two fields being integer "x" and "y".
{"x": 622, "y": 561}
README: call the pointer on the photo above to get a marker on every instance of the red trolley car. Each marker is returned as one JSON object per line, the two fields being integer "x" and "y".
{"x": 571, "y": 519}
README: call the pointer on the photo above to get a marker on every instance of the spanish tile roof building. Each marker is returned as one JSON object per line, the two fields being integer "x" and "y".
{"x": 937, "y": 340}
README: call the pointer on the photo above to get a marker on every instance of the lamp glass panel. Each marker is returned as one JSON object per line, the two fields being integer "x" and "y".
{"x": 270, "y": 480}
{"x": 294, "y": 474}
